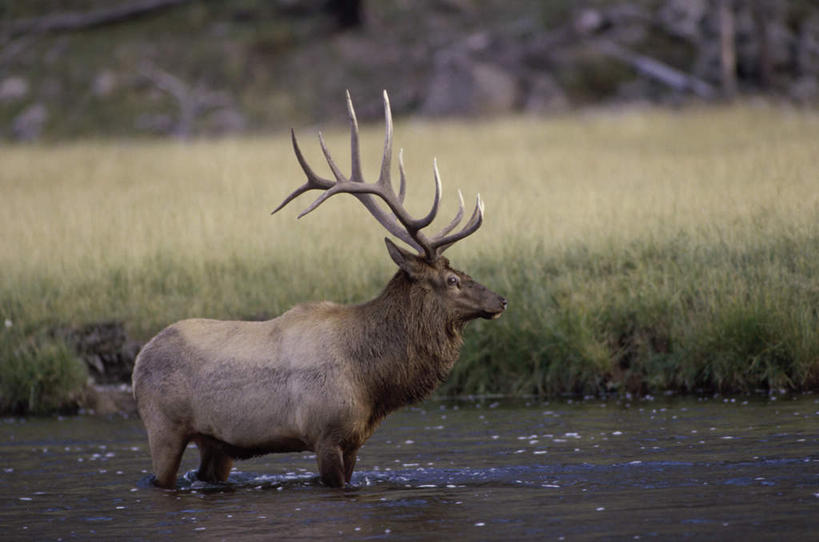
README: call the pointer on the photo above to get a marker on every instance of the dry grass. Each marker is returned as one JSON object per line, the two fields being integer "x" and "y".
{"x": 690, "y": 209}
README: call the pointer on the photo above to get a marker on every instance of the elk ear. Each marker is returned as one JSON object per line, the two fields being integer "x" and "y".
{"x": 408, "y": 262}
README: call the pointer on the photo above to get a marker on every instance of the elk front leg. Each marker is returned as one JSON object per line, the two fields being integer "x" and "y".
{"x": 331, "y": 465}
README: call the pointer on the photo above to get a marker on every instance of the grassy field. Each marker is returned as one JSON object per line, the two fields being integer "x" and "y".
{"x": 640, "y": 251}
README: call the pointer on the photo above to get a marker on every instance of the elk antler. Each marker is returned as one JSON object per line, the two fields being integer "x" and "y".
{"x": 399, "y": 222}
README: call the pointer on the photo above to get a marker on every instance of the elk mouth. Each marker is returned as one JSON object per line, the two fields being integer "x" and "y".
{"x": 496, "y": 313}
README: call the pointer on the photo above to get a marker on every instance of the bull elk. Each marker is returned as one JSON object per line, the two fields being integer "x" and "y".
{"x": 321, "y": 376}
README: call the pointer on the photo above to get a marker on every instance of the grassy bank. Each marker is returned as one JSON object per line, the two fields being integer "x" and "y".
{"x": 642, "y": 251}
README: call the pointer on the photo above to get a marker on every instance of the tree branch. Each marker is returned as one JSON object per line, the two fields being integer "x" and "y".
{"x": 70, "y": 21}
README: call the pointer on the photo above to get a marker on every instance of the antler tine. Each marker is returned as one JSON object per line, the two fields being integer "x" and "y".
{"x": 340, "y": 178}
{"x": 385, "y": 219}
{"x": 355, "y": 185}
{"x": 433, "y": 212}
{"x": 383, "y": 186}
{"x": 386, "y": 160}
{"x": 313, "y": 181}
{"x": 402, "y": 189}
{"x": 398, "y": 222}
{"x": 440, "y": 244}
{"x": 355, "y": 157}
{"x": 458, "y": 216}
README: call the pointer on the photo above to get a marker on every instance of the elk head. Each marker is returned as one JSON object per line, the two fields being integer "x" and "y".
{"x": 463, "y": 298}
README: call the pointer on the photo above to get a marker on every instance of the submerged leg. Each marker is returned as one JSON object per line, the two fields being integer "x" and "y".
{"x": 166, "y": 453}
{"x": 214, "y": 464}
{"x": 331, "y": 465}
{"x": 349, "y": 464}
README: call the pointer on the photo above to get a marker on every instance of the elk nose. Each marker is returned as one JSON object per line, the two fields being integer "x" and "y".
{"x": 503, "y": 302}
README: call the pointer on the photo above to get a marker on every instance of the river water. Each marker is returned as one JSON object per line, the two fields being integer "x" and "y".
{"x": 665, "y": 468}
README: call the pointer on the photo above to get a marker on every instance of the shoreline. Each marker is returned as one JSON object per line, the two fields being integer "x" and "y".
{"x": 118, "y": 399}
{"x": 108, "y": 399}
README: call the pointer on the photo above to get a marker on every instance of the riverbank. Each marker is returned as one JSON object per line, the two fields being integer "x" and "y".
{"x": 641, "y": 251}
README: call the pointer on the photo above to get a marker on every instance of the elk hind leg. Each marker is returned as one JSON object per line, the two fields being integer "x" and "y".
{"x": 214, "y": 464}
{"x": 167, "y": 448}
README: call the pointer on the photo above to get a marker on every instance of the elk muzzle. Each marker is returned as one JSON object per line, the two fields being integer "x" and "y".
{"x": 491, "y": 304}
{"x": 502, "y": 303}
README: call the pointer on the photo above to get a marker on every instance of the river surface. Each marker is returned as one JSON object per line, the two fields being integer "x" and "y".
{"x": 664, "y": 468}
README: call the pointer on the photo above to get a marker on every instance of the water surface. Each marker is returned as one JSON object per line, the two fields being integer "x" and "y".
{"x": 712, "y": 468}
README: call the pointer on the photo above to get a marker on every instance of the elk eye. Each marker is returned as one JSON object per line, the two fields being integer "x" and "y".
{"x": 452, "y": 280}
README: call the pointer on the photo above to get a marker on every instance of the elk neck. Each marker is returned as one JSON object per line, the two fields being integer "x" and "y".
{"x": 406, "y": 345}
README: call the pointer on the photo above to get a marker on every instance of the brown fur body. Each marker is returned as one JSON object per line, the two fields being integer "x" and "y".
{"x": 320, "y": 377}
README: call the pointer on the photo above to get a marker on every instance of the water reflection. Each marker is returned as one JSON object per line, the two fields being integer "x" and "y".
{"x": 481, "y": 469}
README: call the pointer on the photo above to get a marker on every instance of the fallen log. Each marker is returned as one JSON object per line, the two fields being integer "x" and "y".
{"x": 659, "y": 71}
{"x": 71, "y": 21}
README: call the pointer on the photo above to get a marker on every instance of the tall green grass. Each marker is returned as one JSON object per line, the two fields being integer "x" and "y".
{"x": 38, "y": 375}
{"x": 641, "y": 251}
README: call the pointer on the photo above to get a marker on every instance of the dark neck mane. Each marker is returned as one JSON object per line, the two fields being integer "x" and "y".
{"x": 405, "y": 347}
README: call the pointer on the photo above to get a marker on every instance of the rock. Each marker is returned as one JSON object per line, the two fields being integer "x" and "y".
{"x": 805, "y": 90}
{"x": 807, "y": 47}
{"x": 106, "y": 350}
{"x": 226, "y": 120}
{"x": 108, "y": 400}
{"x": 12, "y": 89}
{"x": 495, "y": 90}
{"x": 104, "y": 84}
{"x": 28, "y": 125}
{"x": 477, "y": 42}
{"x": 462, "y": 86}
{"x": 545, "y": 95}
{"x": 588, "y": 21}
{"x": 450, "y": 82}
{"x": 683, "y": 18}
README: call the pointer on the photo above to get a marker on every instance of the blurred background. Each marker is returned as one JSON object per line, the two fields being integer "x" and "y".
{"x": 193, "y": 68}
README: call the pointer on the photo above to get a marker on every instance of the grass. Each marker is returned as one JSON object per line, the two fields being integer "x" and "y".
{"x": 39, "y": 376}
{"x": 641, "y": 251}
